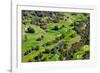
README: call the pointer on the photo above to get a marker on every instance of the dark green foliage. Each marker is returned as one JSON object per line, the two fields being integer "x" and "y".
{"x": 86, "y": 55}
{"x": 36, "y": 58}
{"x": 46, "y": 51}
{"x": 55, "y": 28}
{"x": 40, "y": 55}
{"x": 30, "y": 30}
{"x": 40, "y": 38}
{"x": 36, "y": 48}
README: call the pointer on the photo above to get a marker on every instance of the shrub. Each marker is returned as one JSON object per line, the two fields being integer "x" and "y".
{"x": 26, "y": 53}
{"x": 32, "y": 48}
{"x": 29, "y": 50}
{"x": 36, "y": 48}
{"x": 86, "y": 55}
{"x": 38, "y": 39}
{"x": 58, "y": 38}
{"x": 73, "y": 13}
{"x": 40, "y": 55}
{"x": 36, "y": 58}
{"x": 55, "y": 21}
{"x": 55, "y": 27}
{"x": 72, "y": 36}
{"x": 53, "y": 49}
{"x": 46, "y": 51}
{"x": 63, "y": 26}
{"x": 67, "y": 17}
{"x": 53, "y": 52}
{"x": 42, "y": 36}
{"x": 30, "y": 30}
{"x": 48, "y": 43}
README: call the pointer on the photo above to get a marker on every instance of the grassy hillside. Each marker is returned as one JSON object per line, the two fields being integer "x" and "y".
{"x": 55, "y": 36}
